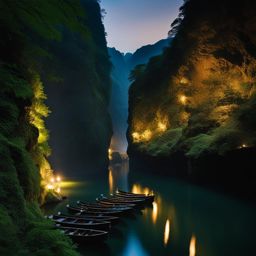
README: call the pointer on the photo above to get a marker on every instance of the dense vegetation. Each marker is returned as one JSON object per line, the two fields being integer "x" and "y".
{"x": 199, "y": 96}
{"x": 122, "y": 66}
{"x": 27, "y": 30}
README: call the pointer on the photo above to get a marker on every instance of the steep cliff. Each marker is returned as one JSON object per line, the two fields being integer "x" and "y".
{"x": 29, "y": 29}
{"x": 78, "y": 86}
{"x": 198, "y": 97}
{"x": 122, "y": 66}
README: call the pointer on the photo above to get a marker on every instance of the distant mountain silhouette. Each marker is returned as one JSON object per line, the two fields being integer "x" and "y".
{"x": 143, "y": 54}
{"x": 122, "y": 66}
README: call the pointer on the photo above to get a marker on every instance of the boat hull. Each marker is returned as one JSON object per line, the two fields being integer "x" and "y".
{"x": 85, "y": 236}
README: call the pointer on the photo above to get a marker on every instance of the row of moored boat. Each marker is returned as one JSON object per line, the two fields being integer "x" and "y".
{"x": 91, "y": 222}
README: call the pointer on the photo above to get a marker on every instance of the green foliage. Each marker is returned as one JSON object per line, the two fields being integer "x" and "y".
{"x": 27, "y": 171}
{"x": 199, "y": 145}
{"x": 9, "y": 113}
{"x": 25, "y": 27}
{"x": 204, "y": 82}
{"x": 39, "y": 241}
{"x": 42, "y": 17}
{"x": 29, "y": 31}
{"x": 9, "y": 234}
{"x": 12, "y": 84}
{"x": 164, "y": 144}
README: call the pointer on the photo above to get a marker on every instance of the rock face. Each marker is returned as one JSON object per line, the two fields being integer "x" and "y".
{"x": 198, "y": 98}
{"x": 123, "y": 64}
{"x": 28, "y": 29}
{"x": 80, "y": 125}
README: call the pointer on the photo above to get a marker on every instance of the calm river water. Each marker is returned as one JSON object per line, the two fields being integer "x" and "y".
{"x": 184, "y": 220}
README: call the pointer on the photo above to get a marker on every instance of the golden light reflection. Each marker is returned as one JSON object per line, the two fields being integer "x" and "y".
{"x": 138, "y": 189}
{"x": 166, "y": 232}
{"x": 110, "y": 154}
{"x": 192, "y": 246}
{"x": 110, "y": 181}
{"x": 69, "y": 184}
{"x": 154, "y": 212}
{"x": 183, "y": 99}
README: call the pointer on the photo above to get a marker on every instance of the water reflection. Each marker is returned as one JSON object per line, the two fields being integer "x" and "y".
{"x": 118, "y": 176}
{"x": 138, "y": 189}
{"x": 166, "y": 232}
{"x": 192, "y": 246}
{"x": 110, "y": 181}
{"x": 134, "y": 247}
{"x": 180, "y": 215}
{"x": 154, "y": 212}
{"x": 69, "y": 187}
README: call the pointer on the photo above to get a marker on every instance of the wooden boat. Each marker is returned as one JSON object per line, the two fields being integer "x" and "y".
{"x": 117, "y": 199}
{"x": 98, "y": 204}
{"x": 121, "y": 192}
{"x": 108, "y": 201}
{"x": 103, "y": 209}
{"x": 124, "y": 210}
{"x": 149, "y": 198}
{"x": 81, "y": 235}
{"x": 110, "y": 204}
{"x": 111, "y": 219}
{"x": 73, "y": 209}
{"x": 81, "y": 223}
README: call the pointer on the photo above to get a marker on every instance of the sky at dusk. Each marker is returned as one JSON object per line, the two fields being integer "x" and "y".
{"x": 131, "y": 24}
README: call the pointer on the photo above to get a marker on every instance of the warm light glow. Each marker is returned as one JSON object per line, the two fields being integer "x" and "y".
{"x": 244, "y": 146}
{"x": 162, "y": 127}
{"x": 53, "y": 183}
{"x": 184, "y": 80}
{"x": 137, "y": 189}
{"x": 145, "y": 136}
{"x": 136, "y": 136}
{"x": 110, "y": 181}
{"x": 154, "y": 212}
{"x": 183, "y": 99}
{"x": 192, "y": 246}
{"x": 50, "y": 186}
{"x": 110, "y": 154}
{"x": 166, "y": 232}
{"x": 146, "y": 191}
